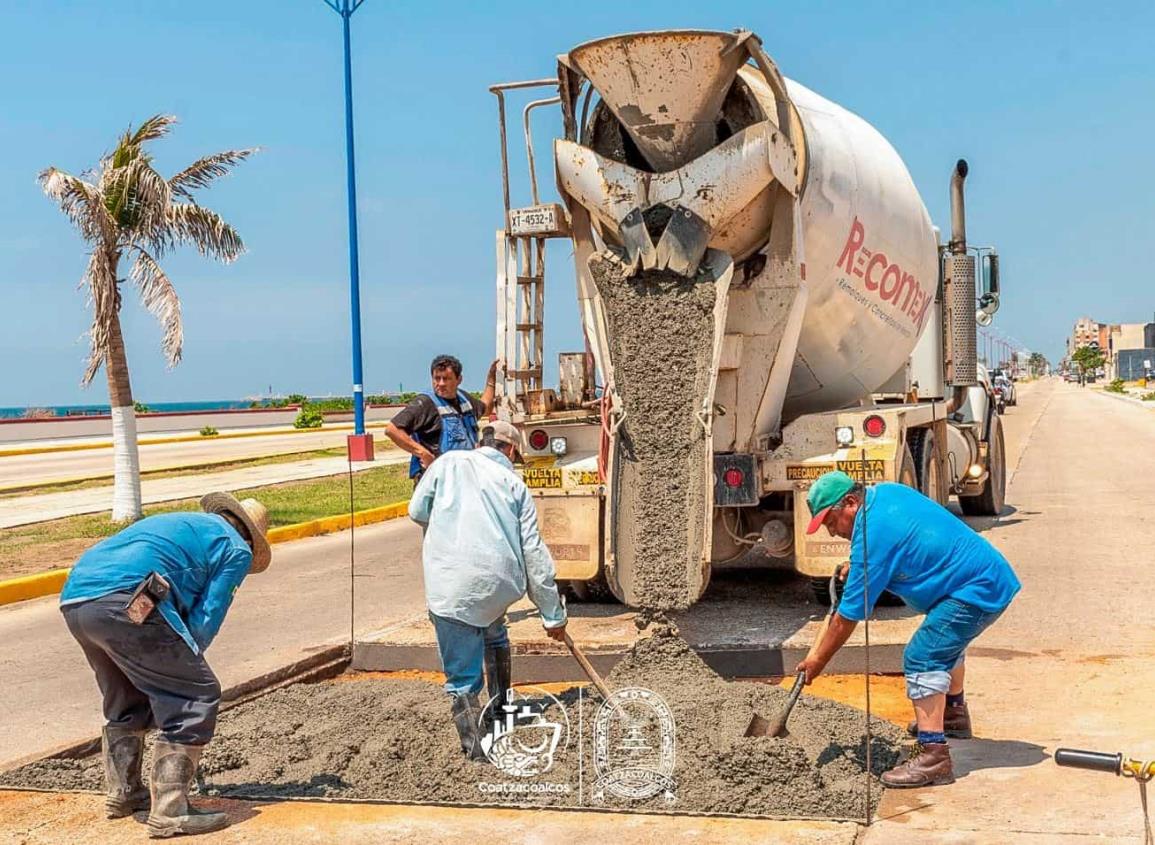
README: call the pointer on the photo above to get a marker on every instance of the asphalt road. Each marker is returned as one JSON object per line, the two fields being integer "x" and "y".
{"x": 95, "y": 463}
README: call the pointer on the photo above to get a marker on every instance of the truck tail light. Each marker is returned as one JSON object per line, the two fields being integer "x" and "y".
{"x": 538, "y": 439}
{"x": 874, "y": 426}
{"x": 734, "y": 477}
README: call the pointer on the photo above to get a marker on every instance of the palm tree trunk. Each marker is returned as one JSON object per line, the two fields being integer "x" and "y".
{"x": 125, "y": 455}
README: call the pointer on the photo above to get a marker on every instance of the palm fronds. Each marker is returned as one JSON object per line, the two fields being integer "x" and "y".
{"x": 203, "y": 172}
{"x": 125, "y": 207}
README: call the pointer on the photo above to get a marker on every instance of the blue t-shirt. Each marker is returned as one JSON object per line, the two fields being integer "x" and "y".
{"x": 922, "y": 553}
{"x": 202, "y": 557}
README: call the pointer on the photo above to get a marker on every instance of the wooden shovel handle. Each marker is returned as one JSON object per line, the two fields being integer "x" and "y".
{"x": 587, "y": 667}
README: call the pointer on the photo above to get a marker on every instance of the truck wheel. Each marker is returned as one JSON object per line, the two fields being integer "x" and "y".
{"x": 821, "y": 588}
{"x": 921, "y": 444}
{"x": 594, "y": 590}
{"x": 994, "y": 493}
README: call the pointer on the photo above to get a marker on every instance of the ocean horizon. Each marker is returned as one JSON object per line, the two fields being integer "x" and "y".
{"x": 98, "y": 409}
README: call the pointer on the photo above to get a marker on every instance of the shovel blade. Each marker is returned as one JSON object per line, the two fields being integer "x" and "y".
{"x": 758, "y": 726}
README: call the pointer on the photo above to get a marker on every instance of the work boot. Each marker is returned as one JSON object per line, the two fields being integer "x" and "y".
{"x": 466, "y": 714}
{"x": 123, "y": 752}
{"x": 173, "y": 768}
{"x": 956, "y": 723}
{"x": 498, "y": 679}
{"x": 928, "y": 765}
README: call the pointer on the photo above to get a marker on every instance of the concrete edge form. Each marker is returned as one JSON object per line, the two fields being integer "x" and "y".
{"x": 532, "y": 666}
{"x": 325, "y": 664}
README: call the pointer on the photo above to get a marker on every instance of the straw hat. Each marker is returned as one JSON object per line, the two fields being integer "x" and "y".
{"x": 253, "y": 515}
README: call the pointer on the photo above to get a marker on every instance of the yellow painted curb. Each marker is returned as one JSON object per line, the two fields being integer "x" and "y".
{"x": 184, "y": 438}
{"x": 49, "y": 583}
{"x": 32, "y": 586}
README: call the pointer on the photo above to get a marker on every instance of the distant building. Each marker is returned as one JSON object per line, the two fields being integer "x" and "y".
{"x": 1086, "y": 333}
{"x": 1126, "y": 350}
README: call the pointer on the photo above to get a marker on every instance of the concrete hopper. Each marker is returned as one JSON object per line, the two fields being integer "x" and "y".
{"x": 666, "y": 88}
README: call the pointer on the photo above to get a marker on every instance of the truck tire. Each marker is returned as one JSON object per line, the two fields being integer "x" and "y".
{"x": 990, "y": 501}
{"x": 821, "y": 588}
{"x": 594, "y": 590}
{"x": 920, "y": 441}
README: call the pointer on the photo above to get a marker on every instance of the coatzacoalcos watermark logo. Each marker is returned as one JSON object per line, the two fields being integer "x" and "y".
{"x": 524, "y": 733}
{"x": 634, "y": 744}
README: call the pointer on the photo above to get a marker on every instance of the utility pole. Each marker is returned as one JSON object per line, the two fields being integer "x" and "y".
{"x": 360, "y": 444}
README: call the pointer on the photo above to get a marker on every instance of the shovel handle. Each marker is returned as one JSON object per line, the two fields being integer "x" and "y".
{"x": 587, "y": 667}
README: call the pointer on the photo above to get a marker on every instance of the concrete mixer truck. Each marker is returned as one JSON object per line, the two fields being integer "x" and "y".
{"x": 763, "y": 298}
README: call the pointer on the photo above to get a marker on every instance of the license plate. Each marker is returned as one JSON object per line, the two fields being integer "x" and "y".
{"x": 535, "y": 220}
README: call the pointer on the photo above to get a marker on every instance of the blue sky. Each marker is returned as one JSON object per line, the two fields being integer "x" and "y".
{"x": 1051, "y": 103}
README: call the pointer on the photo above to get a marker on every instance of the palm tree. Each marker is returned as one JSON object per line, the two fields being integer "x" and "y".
{"x": 126, "y": 210}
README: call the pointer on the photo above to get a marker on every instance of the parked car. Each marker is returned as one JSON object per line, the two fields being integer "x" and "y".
{"x": 1007, "y": 387}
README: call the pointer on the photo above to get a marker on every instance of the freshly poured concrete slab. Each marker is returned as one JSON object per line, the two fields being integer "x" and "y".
{"x": 749, "y": 624}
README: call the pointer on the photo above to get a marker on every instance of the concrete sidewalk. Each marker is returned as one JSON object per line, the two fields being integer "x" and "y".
{"x": 24, "y": 510}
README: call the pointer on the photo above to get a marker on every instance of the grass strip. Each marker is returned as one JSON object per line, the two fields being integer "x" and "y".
{"x": 51, "y": 545}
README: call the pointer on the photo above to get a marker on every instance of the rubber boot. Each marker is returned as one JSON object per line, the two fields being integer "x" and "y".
{"x": 123, "y": 753}
{"x": 173, "y": 768}
{"x": 466, "y": 715}
{"x": 928, "y": 765}
{"x": 498, "y": 679}
{"x": 956, "y": 723}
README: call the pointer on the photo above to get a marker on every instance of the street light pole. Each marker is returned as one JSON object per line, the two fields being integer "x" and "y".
{"x": 360, "y": 445}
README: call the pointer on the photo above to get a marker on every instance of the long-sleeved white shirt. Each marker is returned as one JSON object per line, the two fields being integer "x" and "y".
{"x": 482, "y": 549}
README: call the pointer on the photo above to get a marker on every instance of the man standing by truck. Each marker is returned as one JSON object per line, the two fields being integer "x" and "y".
{"x": 442, "y": 420}
{"x": 144, "y": 605}
{"x": 482, "y": 552}
{"x": 921, "y": 552}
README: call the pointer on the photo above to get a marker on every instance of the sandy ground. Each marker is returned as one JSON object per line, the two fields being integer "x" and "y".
{"x": 388, "y": 738}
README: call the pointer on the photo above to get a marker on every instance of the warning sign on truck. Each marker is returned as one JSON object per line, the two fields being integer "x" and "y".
{"x": 875, "y": 470}
{"x": 807, "y": 472}
{"x": 542, "y": 477}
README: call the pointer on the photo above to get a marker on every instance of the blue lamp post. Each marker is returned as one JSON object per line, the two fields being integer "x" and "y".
{"x": 360, "y": 443}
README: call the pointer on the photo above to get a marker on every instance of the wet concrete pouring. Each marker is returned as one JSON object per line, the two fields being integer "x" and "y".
{"x": 661, "y": 329}
{"x": 393, "y": 740}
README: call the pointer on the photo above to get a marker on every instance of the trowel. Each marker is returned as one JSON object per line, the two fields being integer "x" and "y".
{"x": 776, "y": 726}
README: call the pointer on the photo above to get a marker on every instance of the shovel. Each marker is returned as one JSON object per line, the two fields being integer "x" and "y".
{"x": 592, "y": 673}
{"x": 776, "y": 726}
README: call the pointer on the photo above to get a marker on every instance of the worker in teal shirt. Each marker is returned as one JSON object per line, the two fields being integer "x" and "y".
{"x": 144, "y": 605}
{"x": 933, "y": 561}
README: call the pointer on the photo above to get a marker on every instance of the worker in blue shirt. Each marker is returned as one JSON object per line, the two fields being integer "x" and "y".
{"x": 933, "y": 561}
{"x": 482, "y": 552}
{"x": 144, "y": 605}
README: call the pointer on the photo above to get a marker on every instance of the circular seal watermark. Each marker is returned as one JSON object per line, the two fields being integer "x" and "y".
{"x": 523, "y": 732}
{"x": 634, "y": 745}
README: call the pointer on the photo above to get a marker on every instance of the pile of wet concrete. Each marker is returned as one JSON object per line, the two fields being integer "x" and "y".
{"x": 388, "y": 739}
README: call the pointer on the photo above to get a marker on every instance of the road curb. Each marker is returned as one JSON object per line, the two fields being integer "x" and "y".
{"x": 49, "y": 583}
{"x": 184, "y": 438}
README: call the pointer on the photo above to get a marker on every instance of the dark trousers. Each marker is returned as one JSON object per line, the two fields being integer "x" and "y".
{"x": 148, "y": 675}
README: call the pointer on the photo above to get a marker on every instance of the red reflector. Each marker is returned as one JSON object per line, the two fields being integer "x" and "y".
{"x": 874, "y": 426}
{"x": 733, "y": 477}
{"x": 538, "y": 439}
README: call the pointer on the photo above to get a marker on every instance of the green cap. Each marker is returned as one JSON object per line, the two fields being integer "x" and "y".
{"x": 824, "y": 494}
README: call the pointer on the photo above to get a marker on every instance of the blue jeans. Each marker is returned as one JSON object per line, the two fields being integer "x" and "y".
{"x": 939, "y": 645}
{"x": 462, "y": 648}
